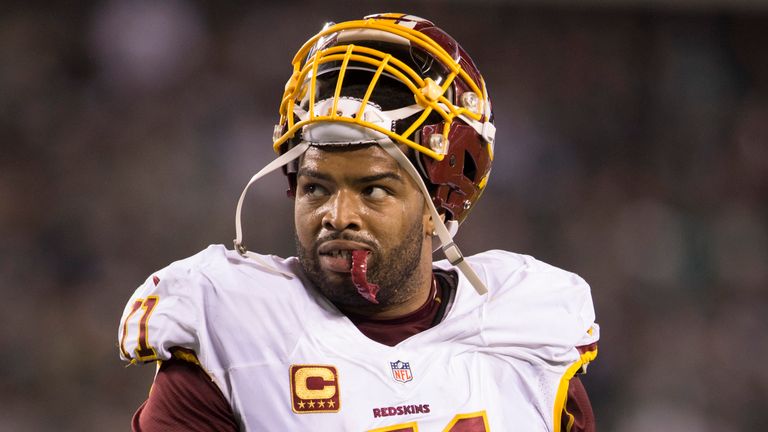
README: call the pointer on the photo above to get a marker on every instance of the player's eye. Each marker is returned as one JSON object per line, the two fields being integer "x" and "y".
{"x": 314, "y": 190}
{"x": 375, "y": 192}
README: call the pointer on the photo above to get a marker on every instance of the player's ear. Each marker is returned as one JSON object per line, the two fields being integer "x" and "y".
{"x": 429, "y": 224}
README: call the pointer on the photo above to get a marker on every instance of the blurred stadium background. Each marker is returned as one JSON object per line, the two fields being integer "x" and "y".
{"x": 632, "y": 149}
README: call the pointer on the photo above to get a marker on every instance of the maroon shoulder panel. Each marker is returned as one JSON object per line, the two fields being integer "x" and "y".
{"x": 579, "y": 407}
{"x": 183, "y": 398}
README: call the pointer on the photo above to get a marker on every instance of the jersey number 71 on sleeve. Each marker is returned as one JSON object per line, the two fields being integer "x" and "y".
{"x": 144, "y": 352}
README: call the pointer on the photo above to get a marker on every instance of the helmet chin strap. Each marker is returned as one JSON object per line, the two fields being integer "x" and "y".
{"x": 451, "y": 251}
{"x": 275, "y": 164}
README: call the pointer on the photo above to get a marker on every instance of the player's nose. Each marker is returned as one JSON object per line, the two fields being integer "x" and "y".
{"x": 342, "y": 212}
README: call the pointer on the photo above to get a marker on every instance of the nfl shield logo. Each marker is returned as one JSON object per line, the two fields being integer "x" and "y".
{"x": 401, "y": 371}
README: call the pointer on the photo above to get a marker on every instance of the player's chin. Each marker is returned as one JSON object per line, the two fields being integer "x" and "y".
{"x": 336, "y": 281}
{"x": 341, "y": 292}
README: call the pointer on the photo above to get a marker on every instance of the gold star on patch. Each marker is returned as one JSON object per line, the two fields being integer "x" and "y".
{"x": 311, "y": 404}
{"x": 301, "y": 405}
{"x": 331, "y": 404}
{"x": 321, "y": 404}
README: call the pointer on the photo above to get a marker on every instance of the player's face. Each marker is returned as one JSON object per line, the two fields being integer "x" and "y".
{"x": 360, "y": 198}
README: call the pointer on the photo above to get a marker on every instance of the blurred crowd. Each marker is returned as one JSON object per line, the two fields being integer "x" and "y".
{"x": 632, "y": 149}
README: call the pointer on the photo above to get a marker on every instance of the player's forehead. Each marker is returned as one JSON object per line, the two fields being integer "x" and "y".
{"x": 348, "y": 162}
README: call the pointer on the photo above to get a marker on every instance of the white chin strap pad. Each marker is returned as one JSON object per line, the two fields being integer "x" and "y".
{"x": 345, "y": 133}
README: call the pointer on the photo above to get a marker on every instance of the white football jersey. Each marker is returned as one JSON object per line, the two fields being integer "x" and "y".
{"x": 287, "y": 360}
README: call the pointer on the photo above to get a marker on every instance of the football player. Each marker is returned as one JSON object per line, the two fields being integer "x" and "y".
{"x": 386, "y": 136}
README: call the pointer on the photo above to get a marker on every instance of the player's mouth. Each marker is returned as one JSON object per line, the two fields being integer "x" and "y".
{"x": 339, "y": 261}
{"x": 336, "y": 255}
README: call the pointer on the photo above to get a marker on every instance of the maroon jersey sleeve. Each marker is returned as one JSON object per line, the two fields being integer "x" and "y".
{"x": 578, "y": 415}
{"x": 183, "y": 398}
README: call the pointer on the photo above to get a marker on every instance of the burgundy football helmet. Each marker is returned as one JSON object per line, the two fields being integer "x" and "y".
{"x": 445, "y": 118}
{"x": 400, "y": 82}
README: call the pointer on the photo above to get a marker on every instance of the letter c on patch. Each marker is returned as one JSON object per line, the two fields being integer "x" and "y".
{"x": 315, "y": 383}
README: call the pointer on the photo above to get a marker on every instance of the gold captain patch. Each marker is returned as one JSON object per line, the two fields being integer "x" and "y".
{"x": 314, "y": 389}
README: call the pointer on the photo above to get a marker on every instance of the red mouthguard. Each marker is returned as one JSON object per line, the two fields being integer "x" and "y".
{"x": 359, "y": 268}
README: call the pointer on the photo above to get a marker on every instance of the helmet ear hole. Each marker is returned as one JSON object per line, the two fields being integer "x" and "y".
{"x": 470, "y": 168}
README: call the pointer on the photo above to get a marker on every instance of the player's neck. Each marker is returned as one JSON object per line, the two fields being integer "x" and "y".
{"x": 424, "y": 281}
